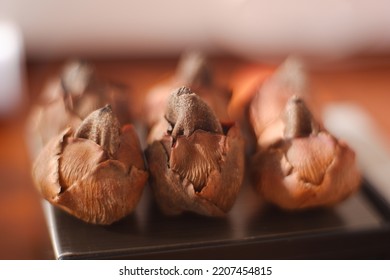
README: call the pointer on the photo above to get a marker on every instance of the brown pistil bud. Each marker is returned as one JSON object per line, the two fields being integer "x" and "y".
{"x": 298, "y": 120}
{"x": 186, "y": 112}
{"x": 103, "y": 128}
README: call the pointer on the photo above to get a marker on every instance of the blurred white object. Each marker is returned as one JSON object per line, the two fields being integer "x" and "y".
{"x": 11, "y": 68}
{"x": 254, "y": 28}
{"x": 109, "y": 28}
{"x": 352, "y": 124}
{"x": 321, "y": 29}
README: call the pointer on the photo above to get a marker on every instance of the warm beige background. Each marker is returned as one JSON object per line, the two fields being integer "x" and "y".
{"x": 255, "y": 28}
{"x": 347, "y": 42}
{"x": 23, "y": 232}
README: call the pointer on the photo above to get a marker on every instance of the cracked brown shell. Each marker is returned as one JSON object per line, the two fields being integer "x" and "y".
{"x": 80, "y": 177}
{"x": 298, "y": 164}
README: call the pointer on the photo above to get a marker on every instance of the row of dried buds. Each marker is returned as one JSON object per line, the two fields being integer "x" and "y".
{"x": 96, "y": 171}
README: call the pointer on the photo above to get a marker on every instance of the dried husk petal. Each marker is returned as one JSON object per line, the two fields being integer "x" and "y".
{"x": 298, "y": 164}
{"x": 182, "y": 181}
{"x": 306, "y": 172}
{"x": 78, "y": 176}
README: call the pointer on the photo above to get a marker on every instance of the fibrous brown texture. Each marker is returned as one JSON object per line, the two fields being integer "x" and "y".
{"x": 91, "y": 181}
{"x": 202, "y": 173}
{"x": 298, "y": 164}
{"x": 195, "y": 166}
{"x": 306, "y": 172}
{"x": 187, "y": 112}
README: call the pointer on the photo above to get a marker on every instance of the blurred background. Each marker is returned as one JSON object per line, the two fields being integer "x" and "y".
{"x": 345, "y": 43}
{"x": 257, "y": 29}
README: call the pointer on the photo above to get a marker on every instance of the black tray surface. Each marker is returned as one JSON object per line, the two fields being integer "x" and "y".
{"x": 355, "y": 228}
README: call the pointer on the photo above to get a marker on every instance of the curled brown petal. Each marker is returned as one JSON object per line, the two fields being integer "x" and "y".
{"x": 206, "y": 152}
{"x": 78, "y": 157}
{"x": 172, "y": 186}
{"x": 81, "y": 177}
{"x": 298, "y": 163}
{"x": 108, "y": 194}
{"x": 292, "y": 178}
{"x": 197, "y": 167}
{"x": 45, "y": 169}
{"x": 312, "y": 156}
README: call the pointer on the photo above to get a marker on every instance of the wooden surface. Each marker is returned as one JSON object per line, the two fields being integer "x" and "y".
{"x": 24, "y": 234}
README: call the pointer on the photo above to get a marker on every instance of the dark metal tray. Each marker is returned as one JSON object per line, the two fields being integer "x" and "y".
{"x": 355, "y": 229}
